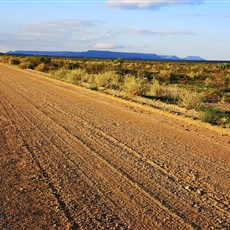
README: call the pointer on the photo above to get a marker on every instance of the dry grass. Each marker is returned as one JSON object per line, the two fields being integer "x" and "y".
{"x": 135, "y": 86}
{"x": 191, "y": 100}
{"x": 109, "y": 79}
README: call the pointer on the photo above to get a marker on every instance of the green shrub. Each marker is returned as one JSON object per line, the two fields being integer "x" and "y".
{"x": 76, "y": 76}
{"x": 94, "y": 67}
{"x": 214, "y": 116}
{"x": 135, "y": 86}
{"x": 109, "y": 79}
{"x": 226, "y": 80}
{"x": 5, "y": 58}
{"x": 14, "y": 61}
{"x": 224, "y": 65}
{"x": 23, "y": 65}
{"x": 41, "y": 67}
{"x": 59, "y": 74}
{"x": 155, "y": 89}
{"x": 225, "y": 98}
{"x": 92, "y": 78}
{"x": 208, "y": 82}
{"x": 190, "y": 100}
{"x": 30, "y": 62}
{"x": 169, "y": 93}
{"x": 93, "y": 86}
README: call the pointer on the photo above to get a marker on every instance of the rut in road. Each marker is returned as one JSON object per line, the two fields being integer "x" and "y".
{"x": 116, "y": 167}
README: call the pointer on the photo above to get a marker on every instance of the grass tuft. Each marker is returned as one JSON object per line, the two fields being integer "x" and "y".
{"x": 135, "y": 86}
{"x": 191, "y": 100}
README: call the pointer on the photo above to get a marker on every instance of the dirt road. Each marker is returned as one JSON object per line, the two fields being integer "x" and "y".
{"x": 75, "y": 159}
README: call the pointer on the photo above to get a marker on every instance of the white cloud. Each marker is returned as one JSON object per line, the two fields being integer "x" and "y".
{"x": 58, "y": 29}
{"x": 152, "y": 4}
{"x": 159, "y": 32}
{"x": 52, "y": 35}
{"x": 106, "y": 46}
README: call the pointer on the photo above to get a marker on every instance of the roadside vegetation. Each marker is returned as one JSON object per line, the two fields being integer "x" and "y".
{"x": 203, "y": 87}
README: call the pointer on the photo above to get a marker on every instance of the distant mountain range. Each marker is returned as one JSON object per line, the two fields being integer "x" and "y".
{"x": 106, "y": 54}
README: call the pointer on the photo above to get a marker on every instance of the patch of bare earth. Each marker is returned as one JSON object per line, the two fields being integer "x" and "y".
{"x": 75, "y": 159}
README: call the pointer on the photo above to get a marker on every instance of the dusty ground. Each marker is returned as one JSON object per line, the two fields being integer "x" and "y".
{"x": 75, "y": 159}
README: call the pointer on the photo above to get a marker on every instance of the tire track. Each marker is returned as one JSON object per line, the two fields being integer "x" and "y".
{"x": 18, "y": 153}
{"x": 62, "y": 205}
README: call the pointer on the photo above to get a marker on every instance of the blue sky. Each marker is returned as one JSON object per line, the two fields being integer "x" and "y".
{"x": 175, "y": 27}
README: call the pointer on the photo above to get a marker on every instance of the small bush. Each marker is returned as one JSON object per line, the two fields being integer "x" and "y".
{"x": 91, "y": 79}
{"x": 94, "y": 67}
{"x": 41, "y": 67}
{"x": 5, "y": 58}
{"x": 172, "y": 93}
{"x": 93, "y": 86}
{"x": 208, "y": 82}
{"x": 224, "y": 65}
{"x": 14, "y": 61}
{"x": 225, "y": 99}
{"x": 214, "y": 116}
{"x": 190, "y": 100}
{"x": 75, "y": 76}
{"x": 226, "y": 80}
{"x": 108, "y": 79}
{"x": 135, "y": 86}
{"x": 155, "y": 89}
{"x": 23, "y": 65}
{"x": 59, "y": 74}
{"x": 30, "y": 62}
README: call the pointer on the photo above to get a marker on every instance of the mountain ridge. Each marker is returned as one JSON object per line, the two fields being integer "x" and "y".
{"x": 106, "y": 54}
